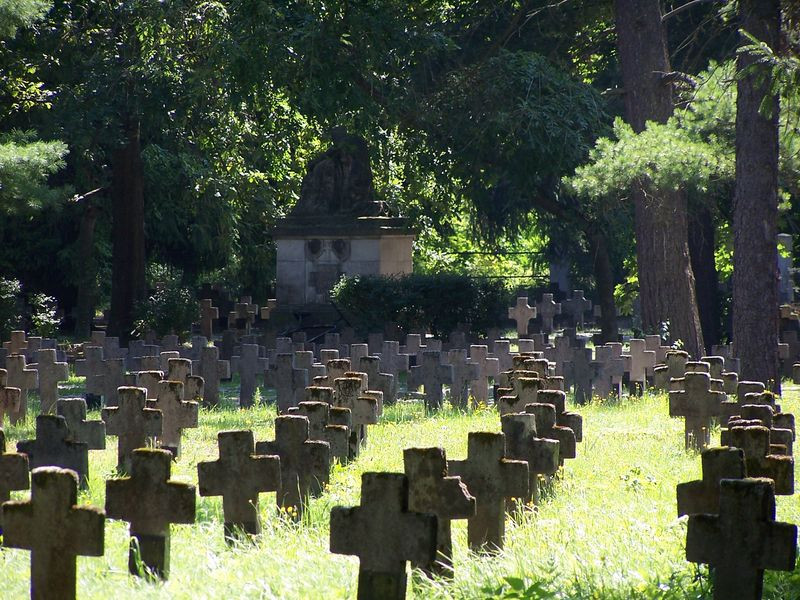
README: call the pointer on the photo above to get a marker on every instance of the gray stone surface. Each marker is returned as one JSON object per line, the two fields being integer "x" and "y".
{"x": 53, "y": 448}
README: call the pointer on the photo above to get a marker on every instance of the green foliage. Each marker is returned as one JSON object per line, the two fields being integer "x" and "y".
{"x": 170, "y": 309}
{"x": 44, "y": 315}
{"x": 19, "y": 13}
{"x": 437, "y": 303}
{"x": 24, "y": 167}
{"x": 10, "y": 306}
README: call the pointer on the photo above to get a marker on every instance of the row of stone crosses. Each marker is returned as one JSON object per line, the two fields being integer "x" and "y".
{"x": 414, "y": 508}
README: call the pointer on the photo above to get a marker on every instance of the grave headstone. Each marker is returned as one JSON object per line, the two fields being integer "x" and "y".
{"x": 702, "y": 496}
{"x": 239, "y": 475}
{"x": 383, "y": 382}
{"x": 432, "y": 375}
{"x": 9, "y": 397}
{"x": 742, "y": 539}
{"x": 698, "y": 404}
{"x": 53, "y": 448}
{"x": 288, "y": 381}
{"x": 55, "y": 530}
{"x": 176, "y": 415}
{"x": 491, "y": 479}
{"x": 249, "y": 365}
{"x": 150, "y": 502}
{"x": 522, "y": 314}
{"x": 432, "y": 491}
{"x": 113, "y": 378}
{"x": 384, "y": 534}
{"x": 208, "y": 313}
{"x": 20, "y": 375}
{"x": 642, "y": 362}
{"x": 546, "y": 310}
{"x": 323, "y": 427}
{"x": 91, "y": 433}
{"x": 523, "y": 443}
{"x": 17, "y": 343}
{"x": 464, "y": 375}
{"x": 134, "y": 425}
{"x": 486, "y": 367}
{"x": 50, "y": 372}
{"x": 91, "y": 367}
{"x": 13, "y": 474}
{"x": 211, "y": 369}
{"x": 581, "y": 371}
{"x": 754, "y": 441}
{"x": 305, "y": 463}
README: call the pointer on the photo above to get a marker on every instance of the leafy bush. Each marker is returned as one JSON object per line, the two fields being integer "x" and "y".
{"x": 10, "y": 313}
{"x": 435, "y": 303}
{"x": 170, "y": 309}
{"x": 44, "y": 315}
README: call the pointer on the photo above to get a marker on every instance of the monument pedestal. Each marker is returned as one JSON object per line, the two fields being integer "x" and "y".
{"x": 313, "y": 252}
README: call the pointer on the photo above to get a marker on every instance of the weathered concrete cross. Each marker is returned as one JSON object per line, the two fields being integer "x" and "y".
{"x": 522, "y": 314}
{"x": 490, "y": 478}
{"x": 21, "y": 376}
{"x": 642, "y": 363}
{"x": 547, "y": 428}
{"x": 91, "y": 367}
{"x": 249, "y": 364}
{"x": 384, "y": 534}
{"x": 133, "y": 423}
{"x": 150, "y": 502}
{"x": 113, "y": 379}
{"x": 91, "y": 433}
{"x": 9, "y": 397}
{"x": 393, "y": 361}
{"x": 13, "y": 473}
{"x": 211, "y": 369}
{"x": 383, "y": 382}
{"x": 53, "y": 448}
{"x": 463, "y": 378}
{"x": 759, "y": 462}
{"x": 486, "y": 367}
{"x": 523, "y": 443}
{"x": 208, "y": 313}
{"x": 348, "y": 393}
{"x": 17, "y": 344}
{"x": 50, "y": 373}
{"x": 325, "y": 427}
{"x": 547, "y": 309}
{"x": 577, "y": 307}
{"x": 288, "y": 381}
{"x": 176, "y": 415}
{"x": 742, "y": 540}
{"x": 432, "y": 375}
{"x": 239, "y": 476}
{"x": 305, "y": 463}
{"x": 55, "y": 530}
{"x": 701, "y": 496}
{"x": 432, "y": 491}
{"x": 698, "y": 405}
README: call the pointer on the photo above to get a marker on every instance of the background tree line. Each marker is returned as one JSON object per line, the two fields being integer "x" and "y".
{"x": 145, "y": 141}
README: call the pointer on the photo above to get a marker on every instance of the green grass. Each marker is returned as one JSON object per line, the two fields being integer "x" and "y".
{"x": 607, "y": 529}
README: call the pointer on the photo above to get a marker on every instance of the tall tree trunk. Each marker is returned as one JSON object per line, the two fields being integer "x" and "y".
{"x": 86, "y": 272}
{"x": 701, "y": 250}
{"x": 666, "y": 280}
{"x": 755, "y": 209}
{"x": 128, "y": 253}
{"x": 604, "y": 279}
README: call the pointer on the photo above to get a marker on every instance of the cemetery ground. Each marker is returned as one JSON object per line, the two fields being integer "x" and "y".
{"x": 606, "y": 528}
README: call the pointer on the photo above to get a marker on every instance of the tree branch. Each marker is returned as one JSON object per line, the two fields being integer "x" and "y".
{"x": 683, "y": 7}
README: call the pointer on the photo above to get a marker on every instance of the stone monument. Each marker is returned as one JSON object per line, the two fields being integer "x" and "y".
{"x": 337, "y": 228}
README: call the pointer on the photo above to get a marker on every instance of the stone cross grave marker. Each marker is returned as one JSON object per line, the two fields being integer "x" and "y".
{"x": 742, "y": 539}
{"x": 432, "y": 491}
{"x": 502, "y": 352}
{"x": 149, "y": 363}
{"x": 525, "y": 391}
{"x": 249, "y": 365}
{"x": 288, "y": 381}
{"x": 581, "y": 370}
{"x": 13, "y": 473}
{"x": 212, "y": 369}
{"x": 148, "y": 380}
{"x": 91, "y": 367}
{"x": 547, "y": 309}
{"x": 50, "y": 372}
{"x": 560, "y": 353}
{"x": 522, "y": 314}
{"x": 702, "y": 496}
{"x": 547, "y": 428}
{"x": 698, "y": 405}
{"x": 55, "y": 530}
{"x": 432, "y": 375}
{"x": 523, "y": 443}
{"x": 716, "y": 366}
{"x": 486, "y": 367}
{"x": 577, "y": 307}
{"x": 239, "y": 475}
{"x": 21, "y": 376}
{"x": 755, "y": 443}
{"x": 780, "y": 425}
{"x": 464, "y": 375}
{"x": 743, "y": 388}
{"x": 17, "y": 343}
{"x": 609, "y": 371}
{"x": 384, "y": 533}
{"x": 113, "y": 379}
{"x": 176, "y": 415}
{"x": 348, "y": 393}
{"x": 653, "y": 342}
{"x": 180, "y": 369}
{"x": 325, "y": 428}
{"x": 91, "y": 433}
{"x": 490, "y": 478}
{"x": 305, "y": 463}
{"x": 9, "y": 397}
{"x": 135, "y": 425}
{"x": 266, "y": 309}
{"x": 642, "y": 363}
{"x": 383, "y": 382}
{"x": 208, "y": 313}
{"x": 150, "y": 502}
{"x": 52, "y": 447}
{"x": 564, "y": 418}
{"x": 318, "y": 393}
{"x": 394, "y": 362}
